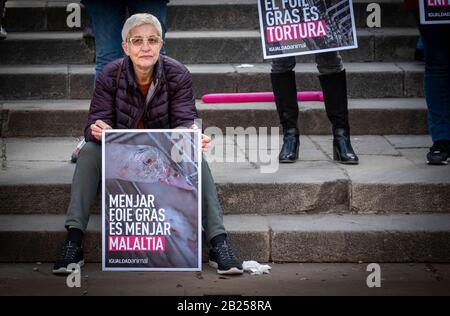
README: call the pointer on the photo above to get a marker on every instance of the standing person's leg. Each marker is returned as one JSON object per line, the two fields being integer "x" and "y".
{"x": 436, "y": 42}
{"x": 107, "y": 19}
{"x": 418, "y": 52}
{"x": 221, "y": 255}
{"x": 333, "y": 80}
{"x": 285, "y": 91}
{"x": 85, "y": 187}
{"x": 158, "y": 8}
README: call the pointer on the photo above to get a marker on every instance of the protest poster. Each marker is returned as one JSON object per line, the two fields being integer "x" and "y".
{"x": 151, "y": 200}
{"x": 434, "y": 11}
{"x": 301, "y": 27}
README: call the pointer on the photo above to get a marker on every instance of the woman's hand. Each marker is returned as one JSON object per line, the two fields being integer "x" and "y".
{"x": 97, "y": 128}
{"x": 205, "y": 140}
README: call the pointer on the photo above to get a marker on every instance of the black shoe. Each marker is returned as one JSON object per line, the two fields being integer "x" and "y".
{"x": 342, "y": 148}
{"x": 438, "y": 154}
{"x": 291, "y": 143}
{"x": 222, "y": 258}
{"x": 70, "y": 253}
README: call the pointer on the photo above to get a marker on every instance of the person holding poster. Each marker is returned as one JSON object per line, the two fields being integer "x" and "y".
{"x": 142, "y": 90}
{"x": 334, "y": 86}
{"x": 435, "y": 36}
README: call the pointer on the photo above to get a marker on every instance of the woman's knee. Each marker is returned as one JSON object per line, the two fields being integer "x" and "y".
{"x": 281, "y": 65}
{"x": 329, "y": 63}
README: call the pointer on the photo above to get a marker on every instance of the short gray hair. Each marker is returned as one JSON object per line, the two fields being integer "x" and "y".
{"x": 138, "y": 20}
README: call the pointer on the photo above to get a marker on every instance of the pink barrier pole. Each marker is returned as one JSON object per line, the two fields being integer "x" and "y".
{"x": 257, "y": 97}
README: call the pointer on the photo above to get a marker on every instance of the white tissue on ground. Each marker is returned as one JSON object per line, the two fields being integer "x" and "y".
{"x": 245, "y": 66}
{"x": 255, "y": 268}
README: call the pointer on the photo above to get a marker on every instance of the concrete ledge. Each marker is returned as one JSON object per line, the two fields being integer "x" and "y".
{"x": 300, "y": 238}
{"x": 43, "y": 118}
{"x": 184, "y": 15}
{"x": 381, "y": 45}
{"x": 392, "y": 177}
{"x": 365, "y": 80}
{"x": 352, "y": 238}
{"x": 39, "y": 238}
{"x": 44, "y": 188}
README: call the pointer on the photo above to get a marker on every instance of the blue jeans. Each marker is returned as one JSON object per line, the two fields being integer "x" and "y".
{"x": 107, "y": 19}
{"x": 436, "y": 42}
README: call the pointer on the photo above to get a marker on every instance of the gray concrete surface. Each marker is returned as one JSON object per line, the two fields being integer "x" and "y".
{"x": 285, "y": 279}
{"x": 280, "y": 238}
{"x": 56, "y": 118}
{"x": 392, "y": 176}
{"x": 365, "y": 80}
{"x": 186, "y": 14}
{"x": 385, "y": 45}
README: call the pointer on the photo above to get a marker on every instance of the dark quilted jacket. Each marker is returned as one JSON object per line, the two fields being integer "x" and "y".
{"x": 172, "y": 104}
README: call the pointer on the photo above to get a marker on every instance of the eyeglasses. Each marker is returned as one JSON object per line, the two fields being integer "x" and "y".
{"x": 138, "y": 41}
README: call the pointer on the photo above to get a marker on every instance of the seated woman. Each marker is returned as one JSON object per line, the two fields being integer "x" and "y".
{"x": 142, "y": 90}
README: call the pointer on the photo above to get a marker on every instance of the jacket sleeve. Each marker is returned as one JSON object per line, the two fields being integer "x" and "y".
{"x": 102, "y": 105}
{"x": 182, "y": 102}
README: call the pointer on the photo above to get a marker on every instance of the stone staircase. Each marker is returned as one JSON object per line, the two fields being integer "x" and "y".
{"x": 390, "y": 208}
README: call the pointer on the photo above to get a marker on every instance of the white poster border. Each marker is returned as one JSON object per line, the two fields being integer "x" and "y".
{"x": 199, "y": 206}
{"x": 309, "y": 52}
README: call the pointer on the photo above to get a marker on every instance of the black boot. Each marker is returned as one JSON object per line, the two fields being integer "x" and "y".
{"x": 334, "y": 88}
{"x": 285, "y": 93}
{"x": 342, "y": 148}
{"x": 291, "y": 143}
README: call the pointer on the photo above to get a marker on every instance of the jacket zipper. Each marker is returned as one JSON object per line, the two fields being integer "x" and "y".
{"x": 146, "y": 104}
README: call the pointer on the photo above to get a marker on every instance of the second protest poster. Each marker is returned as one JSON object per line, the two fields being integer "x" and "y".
{"x": 300, "y": 27}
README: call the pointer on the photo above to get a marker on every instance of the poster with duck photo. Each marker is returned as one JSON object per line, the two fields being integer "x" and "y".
{"x": 151, "y": 200}
{"x": 301, "y": 27}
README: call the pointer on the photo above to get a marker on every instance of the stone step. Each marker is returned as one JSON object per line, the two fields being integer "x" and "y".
{"x": 208, "y": 47}
{"x": 392, "y": 176}
{"x": 47, "y": 48}
{"x": 301, "y": 238}
{"x": 42, "y": 118}
{"x": 38, "y": 16}
{"x": 365, "y": 80}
